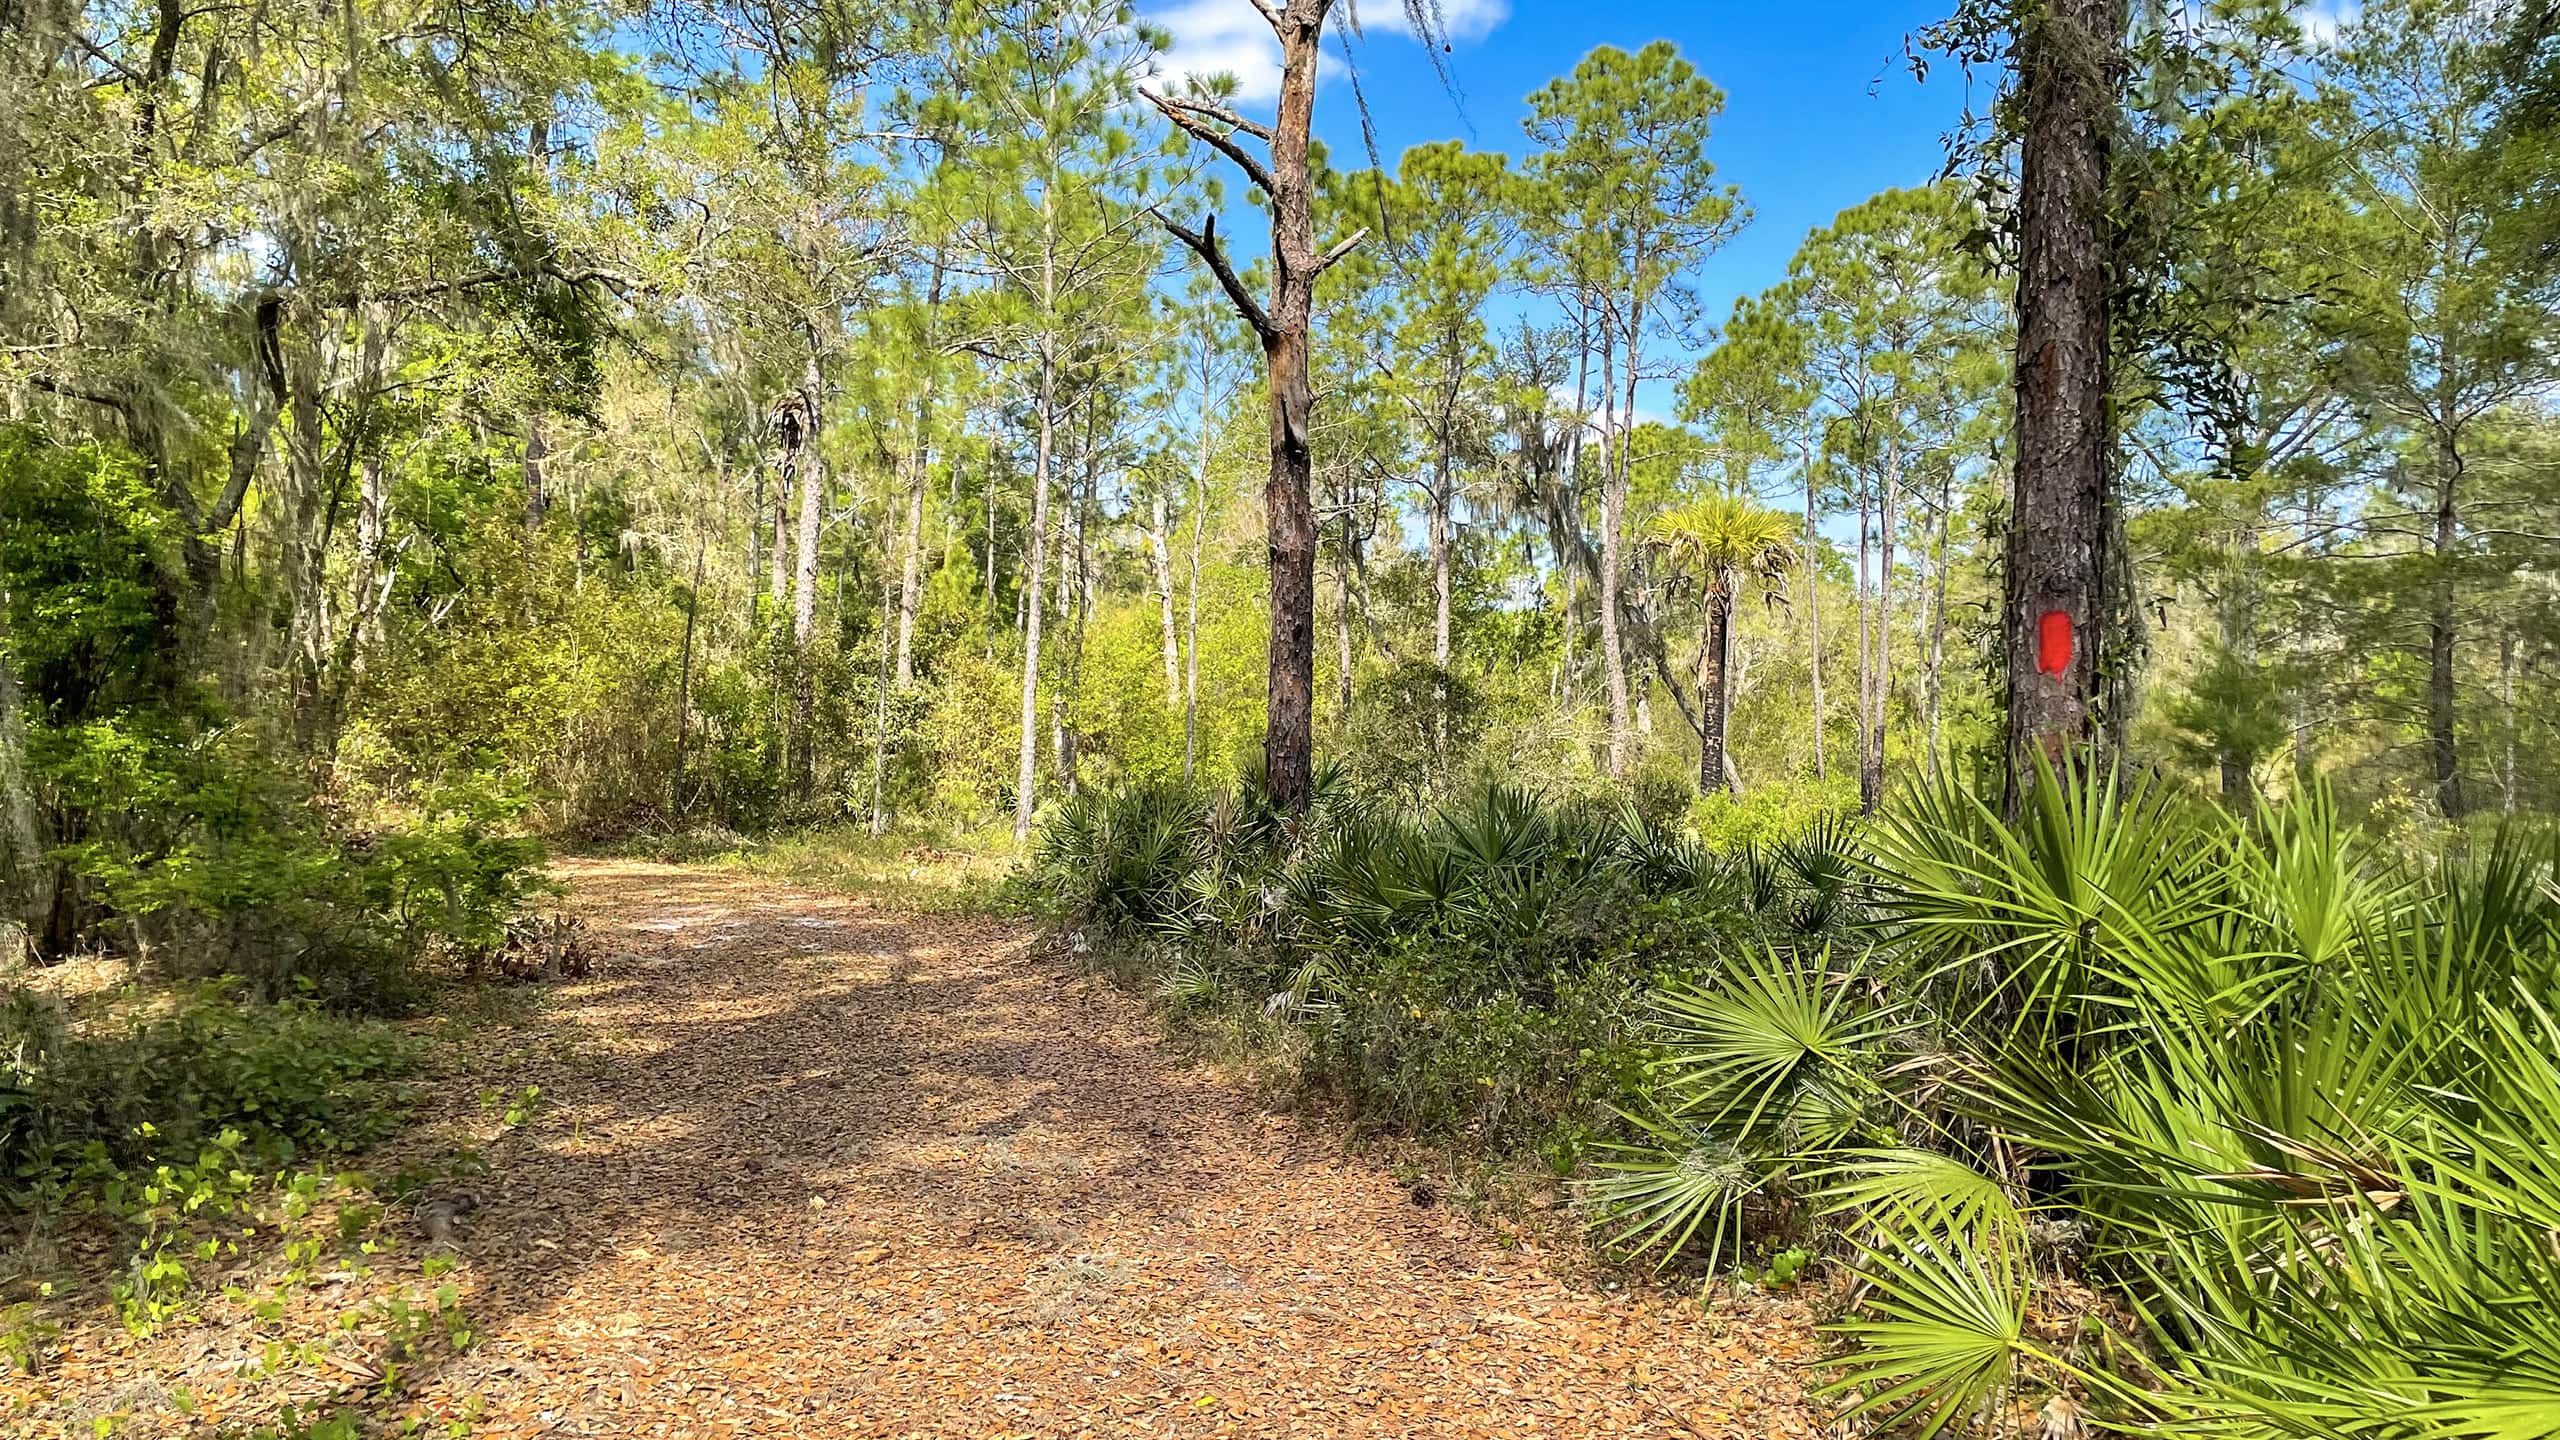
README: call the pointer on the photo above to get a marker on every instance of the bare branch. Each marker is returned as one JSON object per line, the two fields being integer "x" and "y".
{"x": 1222, "y": 141}
{"x": 1204, "y": 242}
{"x": 1222, "y": 115}
{"x": 1341, "y": 247}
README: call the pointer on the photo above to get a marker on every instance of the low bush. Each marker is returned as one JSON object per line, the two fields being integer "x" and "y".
{"x": 287, "y": 1081}
{"x": 1471, "y": 974}
{"x": 2147, "y": 1115}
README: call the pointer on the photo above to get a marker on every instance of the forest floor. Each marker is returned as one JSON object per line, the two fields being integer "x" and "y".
{"x": 805, "y": 1166}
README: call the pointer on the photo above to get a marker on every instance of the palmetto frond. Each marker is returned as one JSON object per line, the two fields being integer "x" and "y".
{"x": 1718, "y": 540}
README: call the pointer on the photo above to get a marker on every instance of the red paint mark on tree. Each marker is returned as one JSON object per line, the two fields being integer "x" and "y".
{"x": 2053, "y": 642}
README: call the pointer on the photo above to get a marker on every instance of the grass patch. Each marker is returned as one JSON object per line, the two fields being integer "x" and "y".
{"x": 933, "y": 870}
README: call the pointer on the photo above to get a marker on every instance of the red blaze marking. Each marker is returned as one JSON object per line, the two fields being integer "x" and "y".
{"x": 2053, "y": 642}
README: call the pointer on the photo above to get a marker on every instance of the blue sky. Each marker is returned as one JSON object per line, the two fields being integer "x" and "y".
{"x": 1820, "y": 109}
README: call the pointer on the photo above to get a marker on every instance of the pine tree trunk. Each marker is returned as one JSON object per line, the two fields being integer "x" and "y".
{"x": 811, "y": 475}
{"x": 778, "y": 561}
{"x": 2238, "y": 620}
{"x": 1288, "y": 747}
{"x": 2055, "y": 600}
{"x": 1871, "y": 765}
{"x": 2507, "y": 721}
{"x": 1027, "y": 777}
{"x": 1191, "y": 646}
{"x": 1613, "y": 506}
{"x": 1288, "y": 744}
{"x": 1865, "y": 707}
{"x": 1440, "y": 501}
{"x": 1938, "y": 615}
{"x": 1191, "y": 624}
{"x": 755, "y": 540}
{"x": 880, "y": 681}
{"x": 1813, "y": 609}
{"x": 1160, "y": 559}
{"x": 911, "y": 546}
{"x": 2441, "y": 631}
{"x": 26, "y": 877}
{"x": 684, "y": 680}
{"x": 1440, "y": 566}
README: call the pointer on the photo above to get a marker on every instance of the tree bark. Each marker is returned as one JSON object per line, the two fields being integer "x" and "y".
{"x": 1288, "y": 745}
{"x": 2507, "y": 721}
{"x": 1713, "y": 664}
{"x": 2238, "y": 618}
{"x": 1938, "y": 613}
{"x": 1191, "y": 644}
{"x": 911, "y": 575}
{"x": 811, "y": 477}
{"x": 1191, "y": 625}
{"x": 1813, "y": 607}
{"x": 684, "y": 680}
{"x": 1871, "y": 764}
{"x": 26, "y": 877}
{"x": 2055, "y": 599}
{"x": 778, "y": 560}
{"x": 1613, "y": 507}
{"x": 1441, "y": 503}
{"x": 880, "y": 713}
{"x": 1027, "y": 777}
{"x": 2441, "y": 629}
{"x": 1160, "y": 562}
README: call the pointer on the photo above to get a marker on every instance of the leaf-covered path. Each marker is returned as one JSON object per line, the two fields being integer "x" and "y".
{"x": 835, "y": 1171}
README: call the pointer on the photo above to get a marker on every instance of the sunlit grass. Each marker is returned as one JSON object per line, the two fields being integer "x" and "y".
{"x": 929, "y": 869}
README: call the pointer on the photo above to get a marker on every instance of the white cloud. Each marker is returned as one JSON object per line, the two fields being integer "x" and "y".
{"x": 1457, "y": 19}
{"x": 1213, "y": 37}
{"x": 2322, "y": 21}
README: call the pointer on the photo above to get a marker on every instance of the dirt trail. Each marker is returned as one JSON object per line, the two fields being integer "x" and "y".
{"x": 843, "y": 1172}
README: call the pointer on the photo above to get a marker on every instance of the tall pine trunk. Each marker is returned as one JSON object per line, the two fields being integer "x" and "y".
{"x": 1934, "y": 677}
{"x": 1813, "y": 609}
{"x": 1613, "y": 509}
{"x": 1028, "y": 774}
{"x": 911, "y": 544}
{"x": 1880, "y": 693}
{"x": 2442, "y": 619}
{"x": 1288, "y": 744}
{"x": 811, "y": 476}
{"x": 1160, "y": 562}
{"x": 684, "y": 679}
{"x": 2055, "y": 601}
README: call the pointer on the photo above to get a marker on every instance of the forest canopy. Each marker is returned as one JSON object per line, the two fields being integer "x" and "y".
{"x": 739, "y": 417}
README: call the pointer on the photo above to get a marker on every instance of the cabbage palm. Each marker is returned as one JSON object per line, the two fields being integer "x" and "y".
{"x": 1719, "y": 542}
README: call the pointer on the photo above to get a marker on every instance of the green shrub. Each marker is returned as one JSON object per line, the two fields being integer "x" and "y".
{"x": 2238, "y": 1127}
{"x": 1500, "y": 1073}
{"x": 287, "y": 1080}
{"x": 1472, "y": 974}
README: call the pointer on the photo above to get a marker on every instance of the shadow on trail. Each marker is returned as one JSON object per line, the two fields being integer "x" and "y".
{"x": 847, "y": 1172}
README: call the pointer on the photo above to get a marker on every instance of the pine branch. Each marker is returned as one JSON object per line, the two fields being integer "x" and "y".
{"x": 1222, "y": 115}
{"x": 1341, "y": 247}
{"x": 1224, "y": 142}
{"x": 1204, "y": 242}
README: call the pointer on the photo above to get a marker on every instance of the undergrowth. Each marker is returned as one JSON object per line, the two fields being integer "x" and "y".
{"x": 2126, "y": 1112}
